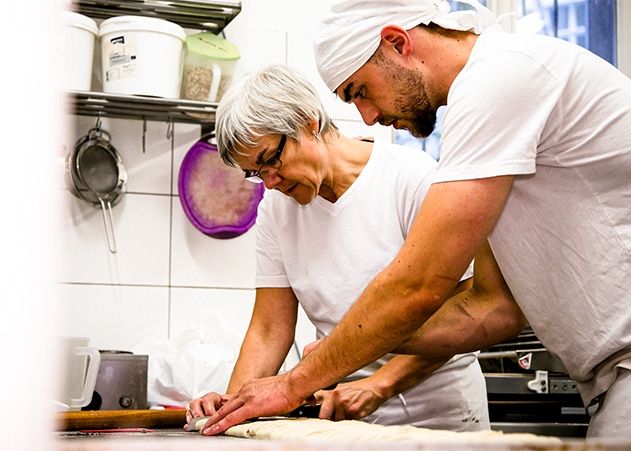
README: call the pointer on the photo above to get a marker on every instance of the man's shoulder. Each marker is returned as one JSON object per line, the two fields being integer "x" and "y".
{"x": 403, "y": 156}
{"x": 498, "y": 54}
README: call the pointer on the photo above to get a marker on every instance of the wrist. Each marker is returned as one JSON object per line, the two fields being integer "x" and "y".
{"x": 298, "y": 382}
{"x": 383, "y": 387}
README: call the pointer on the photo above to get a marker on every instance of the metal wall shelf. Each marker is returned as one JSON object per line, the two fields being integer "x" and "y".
{"x": 140, "y": 107}
{"x": 211, "y": 15}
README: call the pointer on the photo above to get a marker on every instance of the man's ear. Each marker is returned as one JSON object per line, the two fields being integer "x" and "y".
{"x": 398, "y": 39}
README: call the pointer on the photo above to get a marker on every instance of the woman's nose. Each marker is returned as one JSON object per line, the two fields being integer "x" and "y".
{"x": 271, "y": 180}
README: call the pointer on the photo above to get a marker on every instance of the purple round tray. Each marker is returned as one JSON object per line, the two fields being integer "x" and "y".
{"x": 198, "y": 155}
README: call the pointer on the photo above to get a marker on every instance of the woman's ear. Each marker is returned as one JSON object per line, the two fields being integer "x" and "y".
{"x": 398, "y": 39}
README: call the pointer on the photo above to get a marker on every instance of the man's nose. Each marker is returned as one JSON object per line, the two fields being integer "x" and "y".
{"x": 369, "y": 114}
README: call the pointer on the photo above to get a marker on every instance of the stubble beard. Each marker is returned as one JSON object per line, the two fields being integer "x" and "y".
{"x": 413, "y": 105}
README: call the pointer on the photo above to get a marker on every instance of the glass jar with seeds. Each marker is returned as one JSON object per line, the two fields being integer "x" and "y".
{"x": 208, "y": 67}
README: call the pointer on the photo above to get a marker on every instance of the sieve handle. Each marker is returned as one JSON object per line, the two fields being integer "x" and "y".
{"x": 108, "y": 222}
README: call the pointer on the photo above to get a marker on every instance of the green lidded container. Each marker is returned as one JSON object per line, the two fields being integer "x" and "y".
{"x": 208, "y": 66}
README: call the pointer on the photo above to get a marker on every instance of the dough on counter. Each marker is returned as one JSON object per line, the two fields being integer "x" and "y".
{"x": 196, "y": 424}
{"x": 312, "y": 430}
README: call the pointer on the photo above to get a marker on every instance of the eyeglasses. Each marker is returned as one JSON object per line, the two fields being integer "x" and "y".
{"x": 269, "y": 166}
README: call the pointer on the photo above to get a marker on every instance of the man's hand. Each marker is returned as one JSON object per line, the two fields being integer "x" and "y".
{"x": 258, "y": 398}
{"x": 205, "y": 406}
{"x": 350, "y": 400}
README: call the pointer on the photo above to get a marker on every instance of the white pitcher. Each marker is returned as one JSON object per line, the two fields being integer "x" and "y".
{"x": 78, "y": 370}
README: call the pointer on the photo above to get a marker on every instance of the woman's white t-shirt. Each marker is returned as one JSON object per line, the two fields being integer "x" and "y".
{"x": 328, "y": 252}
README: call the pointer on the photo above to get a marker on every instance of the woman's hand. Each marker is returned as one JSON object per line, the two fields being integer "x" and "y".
{"x": 205, "y": 406}
{"x": 310, "y": 347}
{"x": 263, "y": 397}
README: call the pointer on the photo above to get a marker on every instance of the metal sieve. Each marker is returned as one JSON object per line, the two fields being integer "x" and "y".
{"x": 96, "y": 174}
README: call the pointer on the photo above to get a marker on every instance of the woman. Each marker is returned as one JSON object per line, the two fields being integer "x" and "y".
{"x": 335, "y": 213}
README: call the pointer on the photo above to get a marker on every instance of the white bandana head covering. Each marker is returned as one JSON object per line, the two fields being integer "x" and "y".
{"x": 351, "y": 31}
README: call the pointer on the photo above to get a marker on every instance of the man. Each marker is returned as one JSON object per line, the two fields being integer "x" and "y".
{"x": 535, "y": 156}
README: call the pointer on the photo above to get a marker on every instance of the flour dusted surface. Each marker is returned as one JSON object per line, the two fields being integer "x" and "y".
{"x": 312, "y": 430}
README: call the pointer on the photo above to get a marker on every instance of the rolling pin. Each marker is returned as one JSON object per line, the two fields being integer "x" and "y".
{"x": 113, "y": 419}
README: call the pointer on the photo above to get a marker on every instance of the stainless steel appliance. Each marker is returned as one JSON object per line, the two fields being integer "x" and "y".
{"x": 121, "y": 383}
{"x": 529, "y": 389}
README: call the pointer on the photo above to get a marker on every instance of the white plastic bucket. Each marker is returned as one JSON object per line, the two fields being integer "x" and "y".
{"x": 77, "y": 52}
{"x": 141, "y": 56}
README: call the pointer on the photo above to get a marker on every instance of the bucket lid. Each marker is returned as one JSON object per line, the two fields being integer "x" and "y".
{"x": 141, "y": 23}
{"x": 80, "y": 21}
{"x": 215, "y": 197}
{"x": 212, "y": 46}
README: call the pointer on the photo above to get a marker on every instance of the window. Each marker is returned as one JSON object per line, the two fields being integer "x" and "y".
{"x": 588, "y": 23}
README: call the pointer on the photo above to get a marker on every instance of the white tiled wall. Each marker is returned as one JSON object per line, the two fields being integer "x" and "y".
{"x": 167, "y": 278}
{"x": 115, "y": 316}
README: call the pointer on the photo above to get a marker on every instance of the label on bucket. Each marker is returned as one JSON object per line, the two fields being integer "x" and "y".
{"x": 120, "y": 58}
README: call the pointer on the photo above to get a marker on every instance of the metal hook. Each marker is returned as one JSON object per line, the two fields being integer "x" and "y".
{"x": 97, "y": 131}
{"x": 97, "y": 126}
{"x": 144, "y": 134}
{"x": 172, "y": 135}
{"x": 170, "y": 126}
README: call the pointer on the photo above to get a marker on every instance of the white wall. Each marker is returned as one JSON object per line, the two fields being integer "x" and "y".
{"x": 168, "y": 277}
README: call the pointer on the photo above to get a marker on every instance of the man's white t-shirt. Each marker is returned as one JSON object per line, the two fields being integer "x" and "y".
{"x": 328, "y": 252}
{"x": 559, "y": 118}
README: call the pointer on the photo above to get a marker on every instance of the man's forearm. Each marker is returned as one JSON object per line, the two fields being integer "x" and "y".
{"x": 374, "y": 327}
{"x": 453, "y": 224}
{"x": 465, "y": 323}
{"x": 403, "y": 372}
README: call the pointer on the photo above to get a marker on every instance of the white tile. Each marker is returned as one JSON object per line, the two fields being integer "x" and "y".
{"x": 113, "y": 317}
{"x": 148, "y": 171}
{"x": 148, "y": 166}
{"x": 201, "y": 261}
{"x": 208, "y": 325}
{"x": 280, "y": 14}
{"x": 300, "y": 57}
{"x": 355, "y": 129}
{"x": 220, "y": 315}
{"x": 258, "y": 47}
{"x": 141, "y": 230}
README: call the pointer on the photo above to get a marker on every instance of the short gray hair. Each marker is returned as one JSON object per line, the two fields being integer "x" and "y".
{"x": 273, "y": 100}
